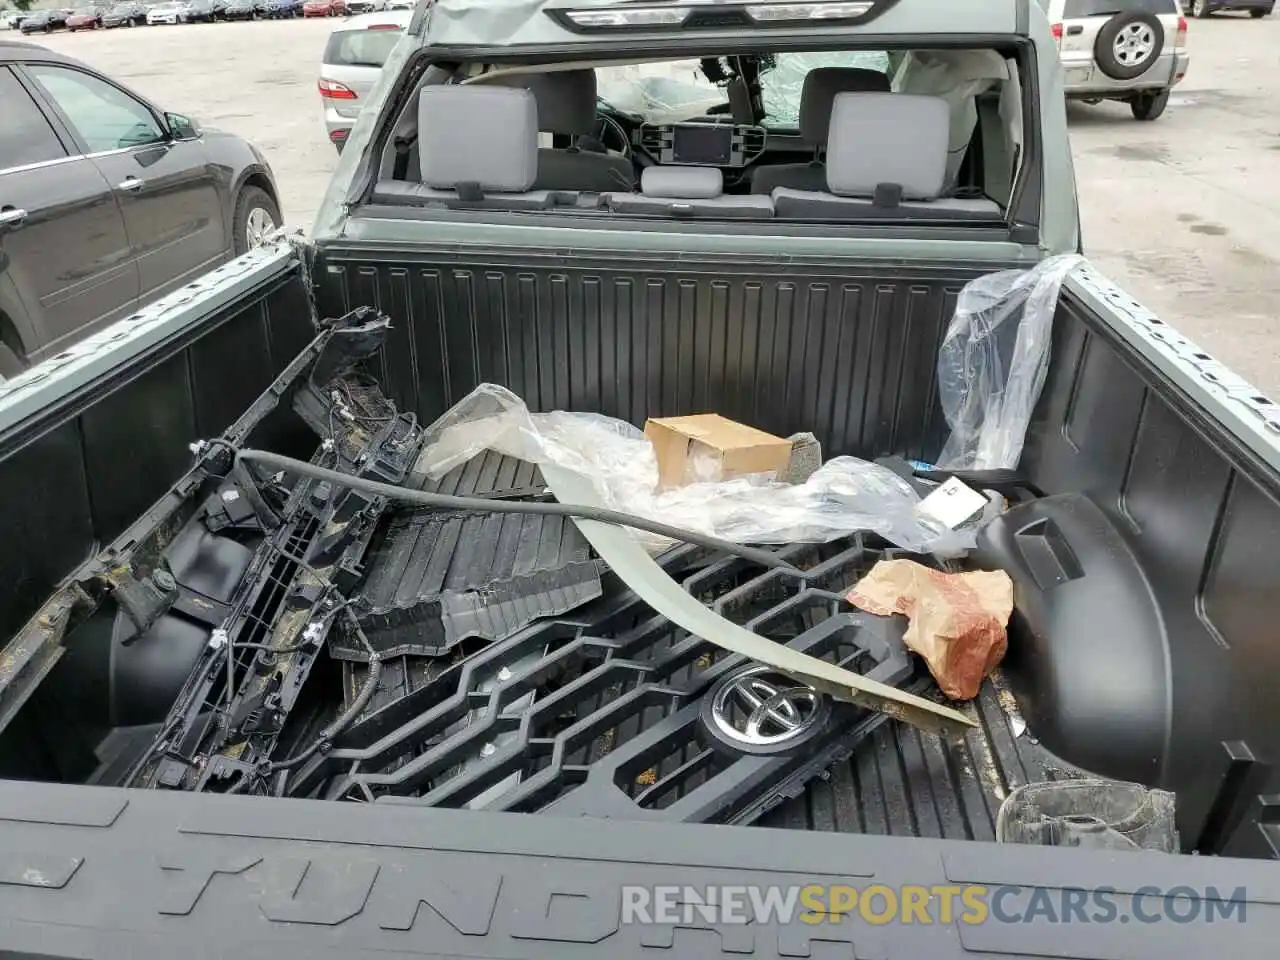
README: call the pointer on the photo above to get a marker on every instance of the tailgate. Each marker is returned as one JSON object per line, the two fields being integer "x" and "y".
{"x": 108, "y": 873}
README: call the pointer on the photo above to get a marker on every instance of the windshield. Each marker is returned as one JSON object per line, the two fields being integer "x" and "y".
{"x": 780, "y": 87}
{"x": 659, "y": 92}
{"x": 680, "y": 90}
{"x": 361, "y": 48}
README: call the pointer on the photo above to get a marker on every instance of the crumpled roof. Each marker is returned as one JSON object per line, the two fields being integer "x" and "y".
{"x": 499, "y": 22}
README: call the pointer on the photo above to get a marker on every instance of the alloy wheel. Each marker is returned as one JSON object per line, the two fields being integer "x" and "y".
{"x": 1135, "y": 44}
{"x": 258, "y": 227}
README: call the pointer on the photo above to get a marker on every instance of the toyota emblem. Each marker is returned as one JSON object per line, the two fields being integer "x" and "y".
{"x": 760, "y": 708}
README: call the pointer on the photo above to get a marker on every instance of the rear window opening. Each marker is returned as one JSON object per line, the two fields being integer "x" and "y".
{"x": 925, "y": 137}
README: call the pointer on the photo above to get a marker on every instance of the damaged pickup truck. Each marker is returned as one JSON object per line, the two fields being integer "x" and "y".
{"x": 289, "y": 670}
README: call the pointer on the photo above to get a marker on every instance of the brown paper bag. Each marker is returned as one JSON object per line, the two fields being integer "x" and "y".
{"x": 958, "y": 620}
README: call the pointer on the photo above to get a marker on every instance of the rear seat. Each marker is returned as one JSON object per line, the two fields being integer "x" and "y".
{"x": 478, "y": 149}
{"x": 817, "y": 97}
{"x": 567, "y": 107}
{"x": 687, "y": 192}
{"x": 886, "y": 157}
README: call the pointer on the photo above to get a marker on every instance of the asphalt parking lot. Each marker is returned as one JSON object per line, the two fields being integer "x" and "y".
{"x": 1184, "y": 212}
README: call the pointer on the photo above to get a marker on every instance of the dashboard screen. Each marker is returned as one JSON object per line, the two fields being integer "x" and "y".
{"x": 702, "y": 143}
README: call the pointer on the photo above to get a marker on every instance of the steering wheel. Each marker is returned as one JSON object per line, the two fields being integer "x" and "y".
{"x": 607, "y": 129}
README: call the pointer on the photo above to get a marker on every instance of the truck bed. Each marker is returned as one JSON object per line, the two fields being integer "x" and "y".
{"x": 844, "y": 348}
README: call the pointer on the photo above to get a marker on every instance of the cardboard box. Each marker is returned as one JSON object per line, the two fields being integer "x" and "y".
{"x": 710, "y": 447}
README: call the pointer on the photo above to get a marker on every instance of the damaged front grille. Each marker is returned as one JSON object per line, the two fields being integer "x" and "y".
{"x": 611, "y": 712}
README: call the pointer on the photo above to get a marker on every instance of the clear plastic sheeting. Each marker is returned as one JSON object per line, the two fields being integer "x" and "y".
{"x": 844, "y": 496}
{"x": 993, "y": 362}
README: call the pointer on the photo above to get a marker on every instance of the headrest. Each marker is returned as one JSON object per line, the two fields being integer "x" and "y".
{"x": 888, "y": 139}
{"x": 487, "y": 136}
{"x": 566, "y": 98}
{"x": 682, "y": 183}
{"x": 821, "y": 87}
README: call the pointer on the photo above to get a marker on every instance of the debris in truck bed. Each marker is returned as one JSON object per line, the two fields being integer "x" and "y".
{"x": 620, "y": 708}
{"x": 438, "y": 578}
{"x": 1100, "y": 814}
{"x": 709, "y": 448}
{"x": 643, "y": 575}
{"x": 481, "y": 658}
{"x": 845, "y": 495}
{"x": 958, "y": 621}
{"x": 806, "y": 457}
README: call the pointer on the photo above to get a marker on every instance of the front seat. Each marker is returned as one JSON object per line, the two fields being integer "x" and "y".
{"x": 817, "y": 97}
{"x": 567, "y": 107}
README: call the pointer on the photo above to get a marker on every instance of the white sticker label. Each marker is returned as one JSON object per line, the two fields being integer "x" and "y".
{"x": 953, "y": 503}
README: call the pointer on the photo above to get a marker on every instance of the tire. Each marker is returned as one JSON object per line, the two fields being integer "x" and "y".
{"x": 1149, "y": 106}
{"x": 1128, "y": 44}
{"x": 1259, "y": 14}
{"x": 1200, "y": 9}
{"x": 251, "y": 199}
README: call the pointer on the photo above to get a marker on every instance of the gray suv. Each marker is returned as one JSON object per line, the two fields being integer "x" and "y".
{"x": 1129, "y": 50}
{"x": 106, "y": 202}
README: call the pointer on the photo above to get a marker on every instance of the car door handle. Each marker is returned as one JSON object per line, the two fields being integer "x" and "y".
{"x": 12, "y": 217}
{"x": 131, "y": 184}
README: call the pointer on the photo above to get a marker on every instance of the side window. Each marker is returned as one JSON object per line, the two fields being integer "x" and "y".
{"x": 25, "y": 135}
{"x": 105, "y": 117}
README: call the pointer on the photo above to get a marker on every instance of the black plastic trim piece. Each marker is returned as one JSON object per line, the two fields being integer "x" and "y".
{"x": 803, "y": 40}
{"x": 1088, "y": 653}
{"x": 1024, "y": 205}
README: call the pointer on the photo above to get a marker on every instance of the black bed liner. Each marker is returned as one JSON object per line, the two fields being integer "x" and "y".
{"x": 903, "y": 783}
{"x": 112, "y": 874}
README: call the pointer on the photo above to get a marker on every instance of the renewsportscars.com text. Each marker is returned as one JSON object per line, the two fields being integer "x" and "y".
{"x": 971, "y": 904}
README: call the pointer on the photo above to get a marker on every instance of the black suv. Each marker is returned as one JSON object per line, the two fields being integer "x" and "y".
{"x": 107, "y": 202}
